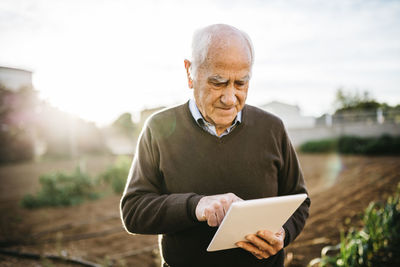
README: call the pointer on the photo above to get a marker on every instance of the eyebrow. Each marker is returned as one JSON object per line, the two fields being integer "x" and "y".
{"x": 219, "y": 79}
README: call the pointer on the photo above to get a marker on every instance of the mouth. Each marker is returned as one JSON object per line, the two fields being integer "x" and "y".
{"x": 226, "y": 109}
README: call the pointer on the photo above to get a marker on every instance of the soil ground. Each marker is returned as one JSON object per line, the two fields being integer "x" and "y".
{"x": 340, "y": 187}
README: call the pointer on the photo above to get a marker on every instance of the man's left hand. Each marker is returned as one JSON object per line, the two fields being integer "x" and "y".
{"x": 263, "y": 244}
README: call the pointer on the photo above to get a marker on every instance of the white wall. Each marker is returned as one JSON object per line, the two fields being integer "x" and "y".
{"x": 14, "y": 79}
{"x": 290, "y": 115}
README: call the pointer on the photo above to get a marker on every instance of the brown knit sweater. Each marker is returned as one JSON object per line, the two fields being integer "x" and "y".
{"x": 177, "y": 163}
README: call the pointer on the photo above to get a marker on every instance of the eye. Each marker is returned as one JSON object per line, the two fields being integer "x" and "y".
{"x": 216, "y": 84}
{"x": 240, "y": 84}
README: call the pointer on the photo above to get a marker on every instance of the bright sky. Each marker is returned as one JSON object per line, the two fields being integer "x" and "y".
{"x": 98, "y": 59}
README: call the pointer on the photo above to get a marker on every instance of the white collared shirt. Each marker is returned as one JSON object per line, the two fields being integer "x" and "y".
{"x": 205, "y": 125}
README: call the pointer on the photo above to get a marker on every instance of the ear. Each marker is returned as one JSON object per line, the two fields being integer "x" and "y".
{"x": 187, "y": 67}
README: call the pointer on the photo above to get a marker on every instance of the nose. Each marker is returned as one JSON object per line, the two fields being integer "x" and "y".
{"x": 228, "y": 97}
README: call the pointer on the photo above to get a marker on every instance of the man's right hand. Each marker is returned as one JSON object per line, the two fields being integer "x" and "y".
{"x": 213, "y": 208}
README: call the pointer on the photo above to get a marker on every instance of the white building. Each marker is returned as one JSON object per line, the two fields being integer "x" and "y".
{"x": 13, "y": 79}
{"x": 290, "y": 115}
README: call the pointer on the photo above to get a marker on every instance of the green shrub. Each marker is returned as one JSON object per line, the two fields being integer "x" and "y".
{"x": 319, "y": 146}
{"x": 377, "y": 243}
{"x": 61, "y": 189}
{"x": 116, "y": 174}
{"x": 383, "y": 145}
{"x": 351, "y": 145}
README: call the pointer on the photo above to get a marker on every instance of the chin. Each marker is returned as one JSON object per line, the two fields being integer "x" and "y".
{"x": 225, "y": 121}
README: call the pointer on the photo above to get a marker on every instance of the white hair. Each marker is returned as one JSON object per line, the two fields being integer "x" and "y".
{"x": 202, "y": 40}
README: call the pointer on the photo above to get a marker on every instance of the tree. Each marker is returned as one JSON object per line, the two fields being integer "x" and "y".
{"x": 124, "y": 124}
{"x": 355, "y": 102}
{"x": 17, "y": 117}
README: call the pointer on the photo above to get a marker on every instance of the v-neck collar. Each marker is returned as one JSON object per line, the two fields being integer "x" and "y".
{"x": 203, "y": 132}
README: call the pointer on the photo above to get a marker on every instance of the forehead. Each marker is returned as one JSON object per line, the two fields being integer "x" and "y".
{"x": 226, "y": 68}
{"x": 231, "y": 56}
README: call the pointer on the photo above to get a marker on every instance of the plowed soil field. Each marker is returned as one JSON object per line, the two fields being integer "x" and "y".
{"x": 340, "y": 187}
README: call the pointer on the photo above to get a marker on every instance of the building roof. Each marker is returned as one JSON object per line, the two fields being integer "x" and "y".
{"x": 13, "y": 78}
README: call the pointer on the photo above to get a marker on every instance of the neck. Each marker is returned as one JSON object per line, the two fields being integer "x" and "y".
{"x": 220, "y": 130}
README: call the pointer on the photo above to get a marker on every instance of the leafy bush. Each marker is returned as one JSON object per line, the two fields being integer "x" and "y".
{"x": 383, "y": 145}
{"x": 61, "y": 189}
{"x": 319, "y": 146}
{"x": 117, "y": 174}
{"x": 377, "y": 243}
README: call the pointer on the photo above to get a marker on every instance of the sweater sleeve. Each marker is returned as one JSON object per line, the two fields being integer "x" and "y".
{"x": 291, "y": 182}
{"x": 145, "y": 207}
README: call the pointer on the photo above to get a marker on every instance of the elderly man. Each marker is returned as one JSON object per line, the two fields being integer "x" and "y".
{"x": 194, "y": 160}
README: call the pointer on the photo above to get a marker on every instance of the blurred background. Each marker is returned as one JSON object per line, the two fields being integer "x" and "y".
{"x": 78, "y": 79}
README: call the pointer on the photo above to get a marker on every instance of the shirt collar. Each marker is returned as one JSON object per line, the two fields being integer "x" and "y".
{"x": 199, "y": 118}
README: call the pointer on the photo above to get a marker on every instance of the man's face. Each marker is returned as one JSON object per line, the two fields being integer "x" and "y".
{"x": 221, "y": 84}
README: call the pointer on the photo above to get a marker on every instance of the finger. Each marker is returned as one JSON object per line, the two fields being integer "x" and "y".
{"x": 260, "y": 243}
{"x": 257, "y": 256}
{"x": 219, "y": 215}
{"x": 252, "y": 249}
{"x": 208, "y": 214}
{"x": 225, "y": 205}
{"x": 218, "y": 212}
{"x": 211, "y": 219}
{"x": 203, "y": 216}
{"x": 275, "y": 243}
{"x": 268, "y": 236}
{"x": 255, "y": 251}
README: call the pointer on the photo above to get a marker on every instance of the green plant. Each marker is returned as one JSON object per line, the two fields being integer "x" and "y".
{"x": 383, "y": 145}
{"x": 376, "y": 244}
{"x": 116, "y": 174}
{"x": 61, "y": 189}
{"x": 319, "y": 146}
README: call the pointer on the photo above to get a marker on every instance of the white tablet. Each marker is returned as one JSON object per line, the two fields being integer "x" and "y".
{"x": 249, "y": 216}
